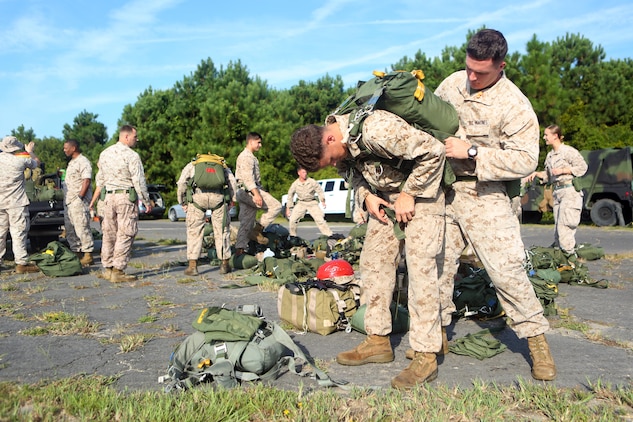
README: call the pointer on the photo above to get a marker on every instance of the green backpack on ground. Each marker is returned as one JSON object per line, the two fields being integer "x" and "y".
{"x": 57, "y": 260}
{"x": 589, "y": 252}
{"x": 475, "y": 295}
{"x": 234, "y": 346}
{"x": 399, "y": 319}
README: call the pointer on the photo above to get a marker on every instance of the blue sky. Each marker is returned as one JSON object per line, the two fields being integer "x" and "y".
{"x": 60, "y": 57}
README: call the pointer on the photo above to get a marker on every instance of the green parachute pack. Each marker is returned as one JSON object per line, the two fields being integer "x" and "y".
{"x": 231, "y": 347}
{"x": 208, "y": 176}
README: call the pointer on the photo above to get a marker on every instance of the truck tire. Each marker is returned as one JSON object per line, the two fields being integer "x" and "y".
{"x": 604, "y": 212}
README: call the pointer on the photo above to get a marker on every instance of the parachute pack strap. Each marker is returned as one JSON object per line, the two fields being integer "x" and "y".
{"x": 397, "y": 230}
{"x": 321, "y": 377}
{"x": 209, "y": 158}
{"x": 419, "y": 91}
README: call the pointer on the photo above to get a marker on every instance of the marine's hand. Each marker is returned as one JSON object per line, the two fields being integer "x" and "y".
{"x": 405, "y": 207}
{"x": 373, "y": 203}
{"x": 456, "y": 148}
{"x": 257, "y": 198}
{"x": 30, "y": 147}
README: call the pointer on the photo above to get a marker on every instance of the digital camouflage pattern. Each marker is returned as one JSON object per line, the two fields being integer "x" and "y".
{"x": 77, "y": 210}
{"x": 385, "y": 133}
{"x": 501, "y": 121}
{"x": 607, "y": 188}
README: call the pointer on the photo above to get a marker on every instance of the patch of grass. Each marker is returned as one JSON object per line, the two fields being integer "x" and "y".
{"x": 36, "y": 289}
{"x": 132, "y": 342}
{"x": 170, "y": 242}
{"x": 10, "y": 309}
{"x": 147, "y": 319}
{"x": 187, "y": 280}
{"x": 8, "y": 287}
{"x": 35, "y": 331}
{"x": 95, "y": 398}
{"x": 64, "y": 324}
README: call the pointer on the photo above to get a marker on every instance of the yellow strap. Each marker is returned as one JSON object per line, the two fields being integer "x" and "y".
{"x": 209, "y": 158}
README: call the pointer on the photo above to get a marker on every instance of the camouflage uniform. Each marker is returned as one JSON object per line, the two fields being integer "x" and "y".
{"x": 14, "y": 204}
{"x": 120, "y": 169}
{"x": 502, "y": 123}
{"x": 76, "y": 209}
{"x": 567, "y": 201}
{"x": 306, "y": 192}
{"x": 209, "y": 200}
{"x": 248, "y": 178}
{"x": 387, "y": 133}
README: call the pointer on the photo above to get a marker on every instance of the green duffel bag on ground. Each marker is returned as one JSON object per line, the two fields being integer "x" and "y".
{"x": 399, "y": 319}
{"x": 57, "y": 260}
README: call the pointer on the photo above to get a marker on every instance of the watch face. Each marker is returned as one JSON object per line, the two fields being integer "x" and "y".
{"x": 472, "y": 152}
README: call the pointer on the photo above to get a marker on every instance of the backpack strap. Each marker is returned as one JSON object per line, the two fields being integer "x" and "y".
{"x": 321, "y": 377}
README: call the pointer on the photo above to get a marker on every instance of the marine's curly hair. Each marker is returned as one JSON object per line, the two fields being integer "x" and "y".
{"x": 487, "y": 44}
{"x": 306, "y": 146}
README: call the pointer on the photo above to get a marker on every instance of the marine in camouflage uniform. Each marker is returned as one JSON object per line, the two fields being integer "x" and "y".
{"x": 77, "y": 196}
{"x": 14, "y": 204}
{"x": 196, "y": 218}
{"x": 498, "y": 141}
{"x": 418, "y": 203}
{"x": 307, "y": 190}
{"x": 120, "y": 171}
{"x": 251, "y": 196}
{"x": 562, "y": 164}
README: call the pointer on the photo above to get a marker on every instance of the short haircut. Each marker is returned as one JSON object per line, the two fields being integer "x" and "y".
{"x": 127, "y": 129}
{"x": 253, "y": 135}
{"x": 487, "y": 44}
{"x": 307, "y": 148}
{"x": 73, "y": 143}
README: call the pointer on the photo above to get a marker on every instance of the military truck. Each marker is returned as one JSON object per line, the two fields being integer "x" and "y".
{"x": 607, "y": 188}
{"x": 46, "y": 211}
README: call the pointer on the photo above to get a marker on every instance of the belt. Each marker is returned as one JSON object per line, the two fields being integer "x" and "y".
{"x": 198, "y": 190}
{"x": 566, "y": 185}
{"x": 465, "y": 178}
{"x": 118, "y": 191}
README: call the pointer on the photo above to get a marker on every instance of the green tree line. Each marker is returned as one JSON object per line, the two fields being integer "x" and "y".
{"x": 568, "y": 81}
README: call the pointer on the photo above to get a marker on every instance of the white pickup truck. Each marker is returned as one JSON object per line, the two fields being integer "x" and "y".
{"x": 336, "y": 196}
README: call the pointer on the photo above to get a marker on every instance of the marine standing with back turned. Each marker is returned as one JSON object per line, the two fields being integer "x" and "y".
{"x": 201, "y": 200}
{"x": 122, "y": 179}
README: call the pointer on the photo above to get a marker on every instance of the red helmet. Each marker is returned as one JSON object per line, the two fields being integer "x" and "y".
{"x": 338, "y": 270}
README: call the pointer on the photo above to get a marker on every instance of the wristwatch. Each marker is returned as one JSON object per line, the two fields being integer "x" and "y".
{"x": 472, "y": 152}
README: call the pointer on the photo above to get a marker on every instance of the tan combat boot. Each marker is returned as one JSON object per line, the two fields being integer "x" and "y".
{"x": 225, "y": 267}
{"x": 257, "y": 236}
{"x": 410, "y": 353}
{"x": 118, "y": 276}
{"x": 192, "y": 269}
{"x": 422, "y": 369}
{"x": 543, "y": 367}
{"x": 374, "y": 349}
{"x": 86, "y": 260}
{"x": 105, "y": 274}
{"x": 26, "y": 268}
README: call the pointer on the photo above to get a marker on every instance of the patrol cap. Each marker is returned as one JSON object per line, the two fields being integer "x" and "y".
{"x": 11, "y": 144}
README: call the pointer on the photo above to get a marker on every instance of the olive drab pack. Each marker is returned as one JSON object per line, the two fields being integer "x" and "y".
{"x": 57, "y": 260}
{"x": 230, "y": 347}
{"x": 404, "y": 94}
{"x": 208, "y": 172}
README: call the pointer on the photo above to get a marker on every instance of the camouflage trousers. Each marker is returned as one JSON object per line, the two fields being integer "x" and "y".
{"x": 378, "y": 263}
{"x": 15, "y": 221}
{"x": 299, "y": 211}
{"x": 567, "y": 210}
{"x": 480, "y": 214}
{"x": 220, "y": 221}
{"x": 248, "y": 212}
{"x": 119, "y": 227}
{"x": 77, "y": 225}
